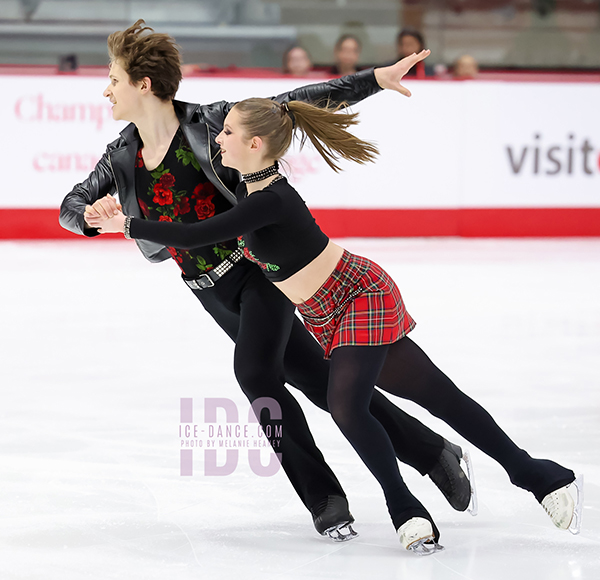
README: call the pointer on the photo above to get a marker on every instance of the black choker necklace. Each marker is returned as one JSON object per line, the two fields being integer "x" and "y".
{"x": 262, "y": 174}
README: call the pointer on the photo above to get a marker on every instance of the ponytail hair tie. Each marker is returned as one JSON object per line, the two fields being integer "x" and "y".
{"x": 287, "y": 110}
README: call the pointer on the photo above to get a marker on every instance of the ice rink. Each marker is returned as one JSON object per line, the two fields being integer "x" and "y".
{"x": 98, "y": 346}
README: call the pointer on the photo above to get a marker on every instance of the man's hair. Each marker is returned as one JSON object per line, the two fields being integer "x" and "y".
{"x": 145, "y": 53}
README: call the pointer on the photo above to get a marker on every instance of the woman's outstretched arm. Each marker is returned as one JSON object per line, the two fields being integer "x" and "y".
{"x": 259, "y": 209}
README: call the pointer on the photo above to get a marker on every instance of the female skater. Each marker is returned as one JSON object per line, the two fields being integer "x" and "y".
{"x": 194, "y": 186}
{"x": 349, "y": 303}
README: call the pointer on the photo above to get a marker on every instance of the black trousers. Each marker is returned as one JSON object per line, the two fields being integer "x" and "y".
{"x": 243, "y": 299}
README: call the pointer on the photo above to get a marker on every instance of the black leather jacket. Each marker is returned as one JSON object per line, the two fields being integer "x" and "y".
{"x": 114, "y": 173}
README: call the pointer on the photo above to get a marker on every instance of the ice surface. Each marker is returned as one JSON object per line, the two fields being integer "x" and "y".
{"x": 98, "y": 346}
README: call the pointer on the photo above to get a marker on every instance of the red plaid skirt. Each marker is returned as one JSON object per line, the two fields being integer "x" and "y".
{"x": 359, "y": 304}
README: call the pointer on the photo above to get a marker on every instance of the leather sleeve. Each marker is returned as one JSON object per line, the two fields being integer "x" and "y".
{"x": 350, "y": 89}
{"x": 99, "y": 183}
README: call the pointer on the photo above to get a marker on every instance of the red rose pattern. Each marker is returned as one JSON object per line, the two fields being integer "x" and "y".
{"x": 176, "y": 256}
{"x": 139, "y": 160}
{"x": 167, "y": 180}
{"x": 144, "y": 207}
{"x": 203, "y": 190}
{"x": 205, "y": 208}
{"x": 182, "y": 207}
{"x": 179, "y": 205}
{"x": 162, "y": 195}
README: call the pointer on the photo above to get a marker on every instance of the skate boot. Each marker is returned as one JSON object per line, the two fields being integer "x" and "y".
{"x": 448, "y": 475}
{"x": 332, "y": 518}
{"x": 417, "y": 536}
{"x": 563, "y": 510}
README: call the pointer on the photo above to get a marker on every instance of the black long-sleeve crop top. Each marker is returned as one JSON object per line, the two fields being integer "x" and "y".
{"x": 273, "y": 225}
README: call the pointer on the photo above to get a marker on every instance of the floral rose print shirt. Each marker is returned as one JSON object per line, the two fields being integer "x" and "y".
{"x": 179, "y": 191}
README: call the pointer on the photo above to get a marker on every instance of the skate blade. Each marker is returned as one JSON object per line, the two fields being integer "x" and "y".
{"x": 575, "y": 525}
{"x": 473, "y": 507}
{"x": 341, "y": 532}
{"x": 425, "y": 547}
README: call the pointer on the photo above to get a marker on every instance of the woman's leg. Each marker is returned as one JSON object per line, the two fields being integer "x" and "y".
{"x": 353, "y": 372}
{"x": 409, "y": 373}
{"x": 307, "y": 370}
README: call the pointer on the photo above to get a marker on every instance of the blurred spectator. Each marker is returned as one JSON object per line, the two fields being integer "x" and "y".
{"x": 465, "y": 67}
{"x": 411, "y": 40}
{"x": 346, "y": 54}
{"x": 297, "y": 62}
{"x": 192, "y": 69}
{"x": 68, "y": 63}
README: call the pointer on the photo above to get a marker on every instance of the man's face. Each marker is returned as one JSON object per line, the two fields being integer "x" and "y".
{"x": 122, "y": 94}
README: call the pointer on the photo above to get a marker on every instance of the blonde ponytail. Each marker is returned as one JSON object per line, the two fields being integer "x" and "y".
{"x": 325, "y": 127}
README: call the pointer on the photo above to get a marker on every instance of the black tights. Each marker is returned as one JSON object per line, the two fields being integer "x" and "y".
{"x": 422, "y": 382}
{"x": 352, "y": 375}
{"x": 406, "y": 371}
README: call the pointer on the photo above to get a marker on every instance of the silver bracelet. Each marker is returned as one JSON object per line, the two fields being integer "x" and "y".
{"x": 126, "y": 227}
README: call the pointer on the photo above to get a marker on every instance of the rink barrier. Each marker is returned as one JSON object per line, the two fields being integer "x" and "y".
{"x": 42, "y": 224}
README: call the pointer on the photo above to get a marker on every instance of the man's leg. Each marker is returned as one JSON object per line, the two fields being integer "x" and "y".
{"x": 305, "y": 466}
{"x": 307, "y": 370}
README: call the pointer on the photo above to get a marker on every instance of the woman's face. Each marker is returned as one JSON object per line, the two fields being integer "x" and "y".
{"x": 348, "y": 53}
{"x": 122, "y": 94}
{"x": 235, "y": 146}
{"x": 298, "y": 62}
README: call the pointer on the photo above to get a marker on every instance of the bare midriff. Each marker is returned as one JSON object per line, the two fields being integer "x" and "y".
{"x": 303, "y": 284}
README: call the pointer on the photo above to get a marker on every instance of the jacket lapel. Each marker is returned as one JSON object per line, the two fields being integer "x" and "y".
{"x": 204, "y": 148}
{"x": 123, "y": 165}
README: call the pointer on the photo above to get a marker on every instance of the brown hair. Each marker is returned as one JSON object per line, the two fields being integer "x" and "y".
{"x": 286, "y": 54}
{"x": 145, "y": 53}
{"x": 344, "y": 37}
{"x": 324, "y": 126}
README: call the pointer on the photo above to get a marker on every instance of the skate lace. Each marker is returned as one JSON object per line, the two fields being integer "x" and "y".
{"x": 449, "y": 474}
{"x": 550, "y": 503}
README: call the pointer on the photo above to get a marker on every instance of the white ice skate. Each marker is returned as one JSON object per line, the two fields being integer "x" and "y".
{"x": 417, "y": 536}
{"x": 473, "y": 508}
{"x": 564, "y": 511}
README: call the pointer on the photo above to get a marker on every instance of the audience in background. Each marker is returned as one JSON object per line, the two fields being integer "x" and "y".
{"x": 411, "y": 40}
{"x": 297, "y": 61}
{"x": 346, "y": 55}
{"x": 465, "y": 67}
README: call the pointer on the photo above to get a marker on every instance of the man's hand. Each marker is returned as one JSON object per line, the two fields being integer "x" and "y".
{"x": 103, "y": 208}
{"x": 112, "y": 225}
{"x": 389, "y": 77}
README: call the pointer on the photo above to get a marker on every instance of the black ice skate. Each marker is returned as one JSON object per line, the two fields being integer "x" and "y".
{"x": 458, "y": 488}
{"x": 332, "y": 518}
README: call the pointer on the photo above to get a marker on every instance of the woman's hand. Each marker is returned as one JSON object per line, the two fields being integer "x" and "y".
{"x": 389, "y": 77}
